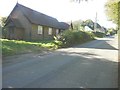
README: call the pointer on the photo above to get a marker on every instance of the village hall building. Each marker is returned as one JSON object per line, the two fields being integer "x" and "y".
{"x": 24, "y": 23}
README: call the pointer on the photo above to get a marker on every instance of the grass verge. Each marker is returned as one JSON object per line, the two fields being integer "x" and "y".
{"x": 67, "y": 39}
{"x": 12, "y": 47}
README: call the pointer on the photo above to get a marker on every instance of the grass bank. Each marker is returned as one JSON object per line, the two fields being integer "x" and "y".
{"x": 12, "y": 47}
{"x": 67, "y": 39}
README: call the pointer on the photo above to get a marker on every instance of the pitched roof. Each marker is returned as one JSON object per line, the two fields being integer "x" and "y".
{"x": 40, "y": 18}
{"x": 92, "y": 26}
{"x": 98, "y": 25}
{"x": 64, "y": 25}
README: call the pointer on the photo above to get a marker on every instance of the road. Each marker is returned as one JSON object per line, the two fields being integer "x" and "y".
{"x": 90, "y": 65}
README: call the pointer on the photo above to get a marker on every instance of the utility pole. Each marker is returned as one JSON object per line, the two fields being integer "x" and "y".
{"x": 95, "y": 24}
{"x": 71, "y": 25}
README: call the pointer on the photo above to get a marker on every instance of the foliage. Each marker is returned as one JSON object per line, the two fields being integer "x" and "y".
{"x": 83, "y": 24}
{"x": 89, "y": 23}
{"x": 68, "y": 38}
{"x": 0, "y": 32}
{"x": 2, "y": 21}
{"x": 78, "y": 25}
{"x": 111, "y": 31}
{"x": 72, "y": 37}
{"x": 112, "y": 10}
{"x": 99, "y": 34}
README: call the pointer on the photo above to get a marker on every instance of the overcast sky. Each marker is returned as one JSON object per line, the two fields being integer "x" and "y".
{"x": 63, "y": 10}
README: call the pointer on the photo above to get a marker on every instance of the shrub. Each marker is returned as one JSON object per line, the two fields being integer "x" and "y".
{"x": 99, "y": 34}
{"x": 72, "y": 37}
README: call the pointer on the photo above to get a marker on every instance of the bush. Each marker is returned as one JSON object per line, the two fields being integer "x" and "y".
{"x": 72, "y": 37}
{"x": 99, "y": 34}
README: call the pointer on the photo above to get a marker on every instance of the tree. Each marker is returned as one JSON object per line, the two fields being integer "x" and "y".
{"x": 78, "y": 25}
{"x": 2, "y": 21}
{"x": 2, "y": 30}
{"x": 112, "y": 10}
{"x": 89, "y": 22}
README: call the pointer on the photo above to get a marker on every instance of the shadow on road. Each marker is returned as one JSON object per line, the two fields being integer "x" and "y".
{"x": 63, "y": 70}
{"x": 93, "y": 72}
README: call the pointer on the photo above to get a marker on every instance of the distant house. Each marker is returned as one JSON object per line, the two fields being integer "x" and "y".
{"x": 24, "y": 23}
{"x": 104, "y": 30}
{"x": 98, "y": 27}
{"x": 88, "y": 28}
{"x": 91, "y": 27}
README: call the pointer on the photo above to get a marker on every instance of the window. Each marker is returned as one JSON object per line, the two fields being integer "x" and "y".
{"x": 57, "y": 31}
{"x": 40, "y": 29}
{"x": 50, "y": 31}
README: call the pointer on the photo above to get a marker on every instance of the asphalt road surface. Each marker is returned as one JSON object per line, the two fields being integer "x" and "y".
{"x": 90, "y": 65}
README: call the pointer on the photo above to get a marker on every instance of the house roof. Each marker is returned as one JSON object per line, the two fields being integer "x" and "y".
{"x": 98, "y": 25}
{"x": 41, "y": 19}
{"x": 64, "y": 25}
{"x": 92, "y": 25}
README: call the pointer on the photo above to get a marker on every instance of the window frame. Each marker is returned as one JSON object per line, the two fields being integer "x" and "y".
{"x": 50, "y": 31}
{"x": 57, "y": 31}
{"x": 40, "y": 29}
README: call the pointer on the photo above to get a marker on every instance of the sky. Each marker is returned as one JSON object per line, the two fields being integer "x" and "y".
{"x": 62, "y": 10}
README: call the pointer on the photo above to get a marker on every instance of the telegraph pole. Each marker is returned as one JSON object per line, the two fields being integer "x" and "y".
{"x": 95, "y": 24}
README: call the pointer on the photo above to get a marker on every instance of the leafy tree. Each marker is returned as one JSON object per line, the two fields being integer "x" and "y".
{"x": 113, "y": 13}
{"x": 89, "y": 22}
{"x": 78, "y": 25}
{"x": 111, "y": 31}
{"x": 2, "y": 30}
{"x": 112, "y": 10}
{"x": 83, "y": 23}
{"x": 2, "y": 21}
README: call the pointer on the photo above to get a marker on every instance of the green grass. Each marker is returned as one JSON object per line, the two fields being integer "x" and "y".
{"x": 12, "y": 47}
{"x": 68, "y": 39}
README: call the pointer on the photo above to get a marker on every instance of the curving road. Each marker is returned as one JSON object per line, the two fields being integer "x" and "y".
{"x": 90, "y": 65}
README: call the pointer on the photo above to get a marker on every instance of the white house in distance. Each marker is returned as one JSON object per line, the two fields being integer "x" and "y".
{"x": 103, "y": 29}
{"x": 87, "y": 28}
{"x": 99, "y": 28}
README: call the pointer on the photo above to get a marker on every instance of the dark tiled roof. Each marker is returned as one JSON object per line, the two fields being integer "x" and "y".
{"x": 63, "y": 25}
{"x": 40, "y": 18}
